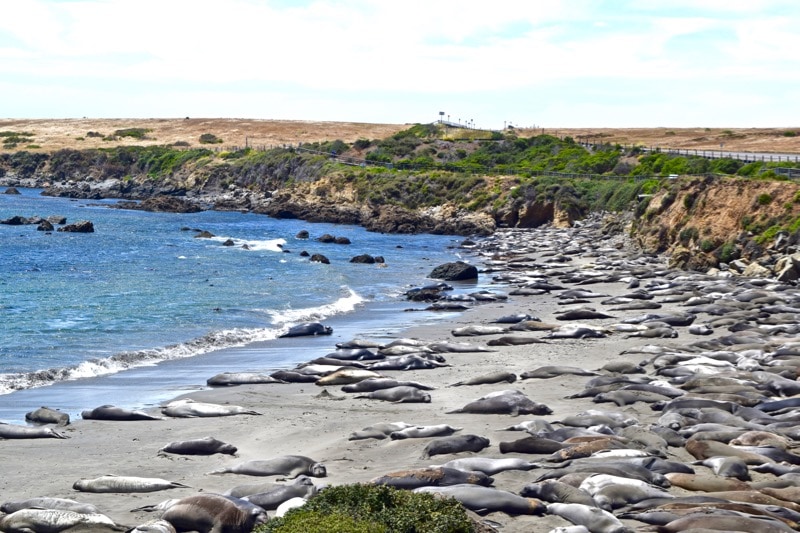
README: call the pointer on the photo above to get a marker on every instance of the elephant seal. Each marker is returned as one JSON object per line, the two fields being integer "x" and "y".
{"x": 14, "y": 431}
{"x": 111, "y": 412}
{"x": 125, "y": 484}
{"x": 421, "y": 432}
{"x": 308, "y": 328}
{"x": 240, "y": 491}
{"x": 598, "y": 520}
{"x": 487, "y": 500}
{"x": 472, "y": 331}
{"x": 487, "y": 465}
{"x": 61, "y": 504}
{"x": 515, "y": 340}
{"x": 406, "y": 362}
{"x": 505, "y": 402}
{"x": 401, "y": 394}
{"x": 531, "y": 444}
{"x": 240, "y": 378}
{"x": 302, "y": 487}
{"x": 373, "y": 384}
{"x": 733, "y": 467}
{"x": 45, "y": 415}
{"x": 581, "y": 314}
{"x": 346, "y": 376}
{"x": 485, "y": 379}
{"x": 724, "y": 522}
{"x": 552, "y": 371}
{"x": 554, "y": 491}
{"x": 154, "y": 526}
{"x": 575, "y": 332}
{"x": 212, "y": 513}
{"x": 290, "y": 376}
{"x": 378, "y": 431}
{"x": 286, "y": 465}
{"x": 191, "y": 409}
{"x": 28, "y": 520}
{"x": 455, "y": 444}
{"x": 204, "y": 446}
{"x": 435, "y": 476}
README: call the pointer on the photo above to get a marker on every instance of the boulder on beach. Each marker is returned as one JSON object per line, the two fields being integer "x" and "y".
{"x": 454, "y": 271}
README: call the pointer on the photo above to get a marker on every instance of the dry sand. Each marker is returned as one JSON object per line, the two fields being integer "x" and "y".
{"x": 297, "y": 420}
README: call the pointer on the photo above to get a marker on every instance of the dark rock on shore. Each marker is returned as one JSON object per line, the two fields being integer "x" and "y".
{"x": 16, "y": 220}
{"x": 319, "y": 258}
{"x": 12, "y": 190}
{"x": 455, "y": 271}
{"x": 364, "y": 259}
{"x": 44, "y": 225}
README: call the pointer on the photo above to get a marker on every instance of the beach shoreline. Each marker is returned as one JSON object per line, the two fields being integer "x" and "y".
{"x": 305, "y": 419}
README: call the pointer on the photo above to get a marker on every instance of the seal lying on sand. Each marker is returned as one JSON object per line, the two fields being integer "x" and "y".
{"x": 309, "y": 328}
{"x": 432, "y": 477}
{"x": 192, "y": 409}
{"x": 27, "y": 520}
{"x": 13, "y": 431}
{"x": 45, "y": 415}
{"x": 286, "y": 465}
{"x": 506, "y": 402}
{"x": 213, "y": 513}
{"x": 204, "y": 446}
{"x": 111, "y": 412}
{"x": 125, "y": 484}
{"x": 488, "y": 500}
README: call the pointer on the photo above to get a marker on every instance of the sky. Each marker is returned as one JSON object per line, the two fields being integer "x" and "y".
{"x": 528, "y": 63}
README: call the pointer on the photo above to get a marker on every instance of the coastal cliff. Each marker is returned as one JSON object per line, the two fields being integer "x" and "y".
{"x": 416, "y": 181}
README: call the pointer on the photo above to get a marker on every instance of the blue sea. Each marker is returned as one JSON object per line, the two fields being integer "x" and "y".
{"x": 142, "y": 310}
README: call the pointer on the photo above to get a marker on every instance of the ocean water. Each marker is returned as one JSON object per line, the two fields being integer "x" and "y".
{"x": 141, "y": 310}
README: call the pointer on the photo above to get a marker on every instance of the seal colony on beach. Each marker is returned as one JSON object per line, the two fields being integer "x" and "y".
{"x": 599, "y": 391}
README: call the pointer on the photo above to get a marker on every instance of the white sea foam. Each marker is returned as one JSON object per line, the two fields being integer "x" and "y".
{"x": 270, "y": 245}
{"x": 215, "y": 340}
{"x": 345, "y": 304}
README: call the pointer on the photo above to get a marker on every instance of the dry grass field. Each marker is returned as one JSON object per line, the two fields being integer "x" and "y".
{"x": 53, "y": 134}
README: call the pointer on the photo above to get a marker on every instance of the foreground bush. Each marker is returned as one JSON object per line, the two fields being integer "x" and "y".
{"x": 373, "y": 509}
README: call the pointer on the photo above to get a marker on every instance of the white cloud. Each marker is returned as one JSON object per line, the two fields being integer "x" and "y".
{"x": 327, "y": 52}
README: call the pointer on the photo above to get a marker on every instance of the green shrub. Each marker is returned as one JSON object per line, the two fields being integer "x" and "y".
{"x": 728, "y": 252}
{"x": 764, "y": 199}
{"x": 372, "y": 509}
{"x": 209, "y": 138}
{"x": 707, "y": 245}
{"x": 362, "y": 144}
{"x": 789, "y": 133}
{"x": 688, "y": 234}
{"x": 134, "y": 133}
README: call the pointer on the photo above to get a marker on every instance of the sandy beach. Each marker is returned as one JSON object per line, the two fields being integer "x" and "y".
{"x": 313, "y": 421}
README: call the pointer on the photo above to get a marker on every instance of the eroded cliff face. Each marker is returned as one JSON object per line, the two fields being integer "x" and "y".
{"x": 701, "y": 222}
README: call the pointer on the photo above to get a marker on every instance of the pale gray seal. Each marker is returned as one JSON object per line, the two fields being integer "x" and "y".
{"x": 420, "y": 432}
{"x": 308, "y": 328}
{"x": 378, "y": 431}
{"x": 62, "y": 504}
{"x": 598, "y": 520}
{"x": 285, "y": 465}
{"x": 373, "y": 384}
{"x": 191, "y": 409}
{"x": 45, "y": 415}
{"x": 493, "y": 377}
{"x": 154, "y": 526}
{"x": 13, "y": 431}
{"x": 240, "y": 378}
{"x": 455, "y": 444}
{"x": 476, "y": 330}
{"x": 552, "y": 371}
{"x": 212, "y": 513}
{"x": 515, "y": 340}
{"x": 28, "y": 520}
{"x": 486, "y": 500}
{"x": 111, "y": 412}
{"x": 401, "y": 394}
{"x": 269, "y": 500}
{"x": 125, "y": 484}
{"x": 488, "y": 465}
{"x": 406, "y": 362}
{"x": 435, "y": 476}
{"x": 346, "y": 376}
{"x": 508, "y": 402}
{"x": 204, "y": 446}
